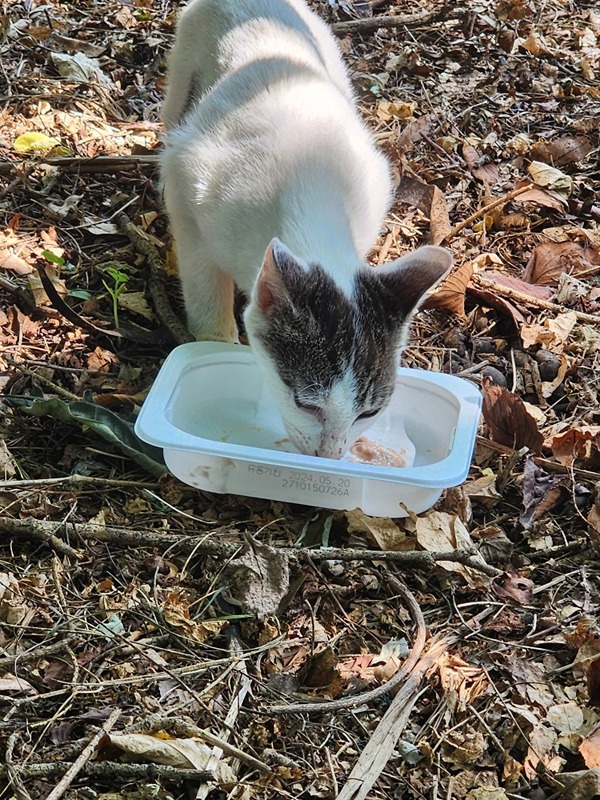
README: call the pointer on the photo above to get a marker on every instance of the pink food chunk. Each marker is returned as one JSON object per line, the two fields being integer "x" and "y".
{"x": 367, "y": 452}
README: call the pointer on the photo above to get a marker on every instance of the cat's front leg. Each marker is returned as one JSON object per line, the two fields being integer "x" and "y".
{"x": 209, "y": 295}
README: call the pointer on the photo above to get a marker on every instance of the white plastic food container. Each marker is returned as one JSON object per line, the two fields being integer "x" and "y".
{"x": 220, "y": 430}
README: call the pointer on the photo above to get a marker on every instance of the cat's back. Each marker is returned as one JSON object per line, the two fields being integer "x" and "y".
{"x": 216, "y": 38}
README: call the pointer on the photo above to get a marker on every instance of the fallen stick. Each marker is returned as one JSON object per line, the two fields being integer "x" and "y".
{"x": 156, "y": 286}
{"x": 380, "y": 746}
{"x": 114, "y": 769}
{"x": 481, "y": 212}
{"x": 384, "y": 21}
{"x": 198, "y": 542}
{"x": 522, "y": 297}
{"x": 86, "y": 754}
{"x": 389, "y": 686}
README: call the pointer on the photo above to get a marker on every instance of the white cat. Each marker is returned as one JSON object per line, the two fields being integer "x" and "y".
{"x": 273, "y": 183}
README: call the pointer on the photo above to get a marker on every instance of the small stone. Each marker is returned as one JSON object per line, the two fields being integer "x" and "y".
{"x": 494, "y": 375}
{"x": 484, "y": 344}
{"x": 549, "y": 364}
{"x": 456, "y": 339}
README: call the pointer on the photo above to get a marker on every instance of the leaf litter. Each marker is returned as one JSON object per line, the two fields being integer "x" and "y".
{"x": 128, "y": 590}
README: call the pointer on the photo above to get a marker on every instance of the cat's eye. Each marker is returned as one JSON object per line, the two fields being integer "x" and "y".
{"x": 368, "y": 414}
{"x": 310, "y": 407}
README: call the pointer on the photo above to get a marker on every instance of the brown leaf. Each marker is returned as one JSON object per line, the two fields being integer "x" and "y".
{"x": 590, "y": 748}
{"x": 488, "y": 297}
{"x": 431, "y": 201}
{"x": 508, "y": 420}
{"x": 515, "y": 9}
{"x": 541, "y": 492}
{"x": 540, "y": 197}
{"x": 512, "y": 586}
{"x": 578, "y": 443}
{"x": 549, "y": 260}
{"x": 450, "y": 294}
{"x": 527, "y": 288}
{"x": 552, "y": 335}
{"x": 321, "y": 672}
{"x": 507, "y": 623}
{"x": 559, "y": 152}
{"x": 14, "y": 263}
{"x": 593, "y": 683}
{"x": 485, "y": 172}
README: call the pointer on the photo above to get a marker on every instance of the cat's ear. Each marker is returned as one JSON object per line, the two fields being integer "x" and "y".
{"x": 276, "y": 278}
{"x": 411, "y": 277}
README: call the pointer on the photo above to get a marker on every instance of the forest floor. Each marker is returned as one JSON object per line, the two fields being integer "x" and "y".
{"x": 140, "y": 655}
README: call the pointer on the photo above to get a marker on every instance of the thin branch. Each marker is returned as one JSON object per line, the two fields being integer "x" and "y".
{"x": 368, "y": 697}
{"x": 156, "y": 286}
{"x": 522, "y": 297}
{"x": 370, "y": 24}
{"x": 481, "y": 212}
{"x": 84, "y": 757}
{"x": 200, "y": 543}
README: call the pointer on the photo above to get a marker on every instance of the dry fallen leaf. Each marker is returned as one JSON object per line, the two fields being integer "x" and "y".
{"x": 257, "y": 579}
{"x": 512, "y": 586}
{"x": 380, "y": 531}
{"x": 562, "y": 151}
{"x": 550, "y": 177}
{"x": 485, "y": 172}
{"x": 549, "y": 260}
{"x": 541, "y": 492}
{"x": 179, "y": 753}
{"x": 438, "y": 530}
{"x": 450, "y": 294}
{"x": 543, "y": 745}
{"x": 581, "y": 443}
{"x": 508, "y": 420}
{"x": 431, "y": 201}
{"x": 552, "y": 335}
{"x": 590, "y": 750}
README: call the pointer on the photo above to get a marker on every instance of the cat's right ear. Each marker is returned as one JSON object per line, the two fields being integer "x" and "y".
{"x": 276, "y": 278}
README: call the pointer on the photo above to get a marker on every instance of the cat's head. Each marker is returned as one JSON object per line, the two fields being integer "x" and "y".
{"x": 330, "y": 357}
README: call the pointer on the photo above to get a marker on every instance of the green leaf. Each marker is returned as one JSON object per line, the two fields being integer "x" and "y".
{"x": 80, "y": 294}
{"x": 104, "y": 422}
{"x": 53, "y": 258}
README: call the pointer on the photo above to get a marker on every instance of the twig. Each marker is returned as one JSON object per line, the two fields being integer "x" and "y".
{"x": 114, "y": 483}
{"x": 21, "y": 177}
{"x": 75, "y": 768}
{"x": 199, "y": 543}
{"x": 15, "y": 781}
{"x": 102, "y": 163}
{"x": 54, "y": 387}
{"x": 389, "y": 686}
{"x": 114, "y": 769}
{"x": 180, "y": 727}
{"x": 481, "y": 212}
{"x": 135, "y": 334}
{"x": 522, "y": 297}
{"x": 8, "y": 663}
{"x": 156, "y": 286}
{"x": 385, "y": 21}
{"x": 380, "y": 746}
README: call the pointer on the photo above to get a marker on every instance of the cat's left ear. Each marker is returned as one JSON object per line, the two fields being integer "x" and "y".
{"x": 411, "y": 277}
{"x": 276, "y": 280}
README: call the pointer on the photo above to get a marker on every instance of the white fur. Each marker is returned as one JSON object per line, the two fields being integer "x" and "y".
{"x": 264, "y": 141}
{"x": 275, "y": 149}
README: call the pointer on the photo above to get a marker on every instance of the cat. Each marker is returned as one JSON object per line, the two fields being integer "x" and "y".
{"x": 273, "y": 183}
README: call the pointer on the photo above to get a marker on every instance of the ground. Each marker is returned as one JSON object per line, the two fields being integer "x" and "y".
{"x": 130, "y": 611}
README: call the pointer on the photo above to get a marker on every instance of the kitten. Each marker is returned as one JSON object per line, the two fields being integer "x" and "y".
{"x": 272, "y": 182}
